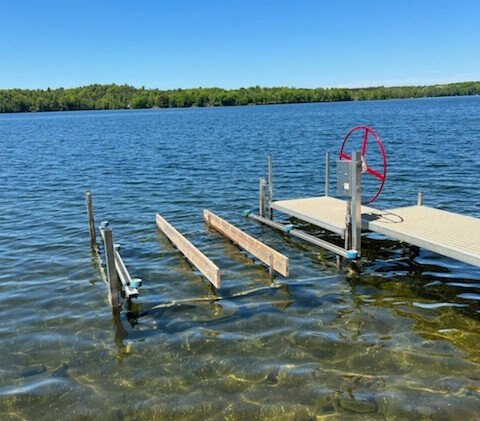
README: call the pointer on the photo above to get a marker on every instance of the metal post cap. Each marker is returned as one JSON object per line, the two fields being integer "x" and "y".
{"x": 352, "y": 254}
{"x": 136, "y": 282}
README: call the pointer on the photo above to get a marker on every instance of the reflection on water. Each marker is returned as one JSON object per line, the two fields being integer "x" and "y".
{"x": 400, "y": 340}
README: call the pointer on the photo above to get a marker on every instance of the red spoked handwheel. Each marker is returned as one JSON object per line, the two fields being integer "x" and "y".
{"x": 381, "y": 175}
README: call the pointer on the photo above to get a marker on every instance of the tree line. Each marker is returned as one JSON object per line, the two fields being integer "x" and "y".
{"x": 110, "y": 97}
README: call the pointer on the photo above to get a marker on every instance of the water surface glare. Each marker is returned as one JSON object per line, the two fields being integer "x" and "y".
{"x": 400, "y": 341}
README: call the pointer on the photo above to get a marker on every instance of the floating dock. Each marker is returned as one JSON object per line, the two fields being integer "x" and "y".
{"x": 446, "y": 233}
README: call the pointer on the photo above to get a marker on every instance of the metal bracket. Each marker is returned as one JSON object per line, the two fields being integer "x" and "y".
{"x": 344, "y": 178}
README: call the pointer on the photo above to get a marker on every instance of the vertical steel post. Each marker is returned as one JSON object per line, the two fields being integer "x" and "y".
{"x": 348, "y": 225}
{"x": 420, "y": 199}
{"x": 262, "y": 198}
{"x": 327, "y": 174}
{"x": 120, "y": 332}
{"x": 270, "y": 186}
{"x": 91, "y": 220}
{"x": 112, "y": 276}
{"x": 356, "y": 189}
{"x": 339, "y": 261}
{"x": 271, "y": 270}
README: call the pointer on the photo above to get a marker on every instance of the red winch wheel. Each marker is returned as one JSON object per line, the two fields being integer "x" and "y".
{"x": 380, "y": 175}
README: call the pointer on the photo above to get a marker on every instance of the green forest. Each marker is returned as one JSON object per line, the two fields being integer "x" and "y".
{"x": 110, "y": 97}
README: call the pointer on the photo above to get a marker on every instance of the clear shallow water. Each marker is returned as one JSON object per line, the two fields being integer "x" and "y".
{"x": 401, "y": 340}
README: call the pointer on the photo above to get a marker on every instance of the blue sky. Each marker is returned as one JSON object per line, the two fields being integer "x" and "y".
{"x": 171, "y": 44}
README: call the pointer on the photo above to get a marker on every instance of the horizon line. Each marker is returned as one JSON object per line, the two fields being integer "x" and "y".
{"x": 359, "y": 86}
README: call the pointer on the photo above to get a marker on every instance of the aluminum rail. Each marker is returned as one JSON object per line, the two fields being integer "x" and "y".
{"x": 303, "y": 235}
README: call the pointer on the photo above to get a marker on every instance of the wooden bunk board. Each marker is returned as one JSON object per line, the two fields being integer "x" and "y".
{"x": 192, "y": 253}
{"x": 261, "y": 251}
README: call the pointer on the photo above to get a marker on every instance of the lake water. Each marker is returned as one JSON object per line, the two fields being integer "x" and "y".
{"x": 400, "y": 341}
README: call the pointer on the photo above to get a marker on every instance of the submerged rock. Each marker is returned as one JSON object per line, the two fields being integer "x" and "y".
{"x": 33, "y": 371}
{"x": 359, "y": 406}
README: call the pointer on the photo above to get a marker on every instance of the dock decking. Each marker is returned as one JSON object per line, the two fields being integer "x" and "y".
{"x": 446, "y": 233}
{"x": 324, "y": 211}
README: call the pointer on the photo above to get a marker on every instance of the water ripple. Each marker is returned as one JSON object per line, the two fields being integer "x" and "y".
{"x": 400, "y": 341}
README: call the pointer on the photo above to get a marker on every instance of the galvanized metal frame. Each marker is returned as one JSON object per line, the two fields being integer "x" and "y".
{"x": 353, "y": 223}
{"x": 270, "y": 186}
{"x": 417, "y": 232}
{"x": 117, "y": 272}
{"x": 356, "y": 203}
{"x": 112, "y": 274}
{"x": 262, "y": 201}
{"x": 327, "y": 173}
{"x": 300, "y": 234}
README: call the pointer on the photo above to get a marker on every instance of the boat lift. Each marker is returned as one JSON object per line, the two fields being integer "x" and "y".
{"x": 446, "y": 233}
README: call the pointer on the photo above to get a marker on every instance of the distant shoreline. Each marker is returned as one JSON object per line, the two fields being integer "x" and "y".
{"x": 117, "y": 97}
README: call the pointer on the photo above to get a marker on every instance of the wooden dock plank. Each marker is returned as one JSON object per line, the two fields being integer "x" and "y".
{"x": 192, "y": 253}
{"x": 261, "y": 251}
